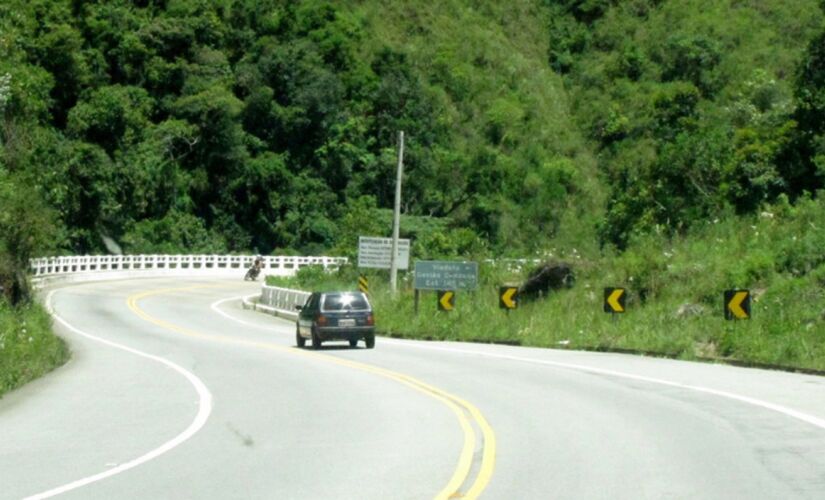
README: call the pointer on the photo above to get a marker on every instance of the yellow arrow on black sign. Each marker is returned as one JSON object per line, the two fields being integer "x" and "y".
{"x": 508, "y": 297}
{"x": 446, "y": 300}
{"x": 737, "y": 304}
{"x": 614, "y": 300}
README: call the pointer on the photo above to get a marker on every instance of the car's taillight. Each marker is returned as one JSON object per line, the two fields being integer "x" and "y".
{"x": 370, "y": 320}
{"x": 321, "y": 319}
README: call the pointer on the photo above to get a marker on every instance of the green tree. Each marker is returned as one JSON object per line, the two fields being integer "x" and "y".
{"x": 27, "y": 230}
{"x": 804, "y": 165}
{"x": 219, "y": 147}
{"x": 59, "y": 51}
{"x": 112, "y": 117}
{"x": 171, "y": 234}
{"x": 692, "y": 58}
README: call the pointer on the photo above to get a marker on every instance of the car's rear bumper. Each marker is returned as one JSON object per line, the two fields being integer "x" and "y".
{"x": 350, "y": 332}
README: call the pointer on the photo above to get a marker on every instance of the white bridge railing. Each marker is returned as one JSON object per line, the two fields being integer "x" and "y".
{"x": 90, "y": 267}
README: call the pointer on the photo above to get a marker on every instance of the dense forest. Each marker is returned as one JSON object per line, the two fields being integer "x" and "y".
{"x": 271, "y": 125}
{"x": 696, "y": 109}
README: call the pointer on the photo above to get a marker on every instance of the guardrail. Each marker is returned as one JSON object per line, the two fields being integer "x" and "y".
{"x": 278, "y": 301}
{"x": 91, "y": 267}
{"x": 283, "y": 298}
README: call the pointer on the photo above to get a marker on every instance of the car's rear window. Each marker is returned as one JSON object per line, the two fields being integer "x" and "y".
{"x": 345, "y": 302}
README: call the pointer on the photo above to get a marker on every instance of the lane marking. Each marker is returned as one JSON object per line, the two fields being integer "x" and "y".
{"x": 465, "y": 412}
{"x": 790, "y": 412}
{"x": 466, "y": 457}
{"x": 214, "y": 307}
{"x": 204, "y": 410}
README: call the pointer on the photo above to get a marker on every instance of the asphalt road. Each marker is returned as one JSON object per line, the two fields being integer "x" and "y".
{"x": 175, "y": 391}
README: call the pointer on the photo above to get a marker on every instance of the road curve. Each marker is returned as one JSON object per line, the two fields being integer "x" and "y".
{"x": 174, "y": 391}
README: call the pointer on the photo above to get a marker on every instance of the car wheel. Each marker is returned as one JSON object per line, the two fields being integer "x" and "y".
{"x": 370, "y": 340}
{"x": 316, "y": 340}
{"x": 298, "y": 339}
{"x": 353, "y": 342}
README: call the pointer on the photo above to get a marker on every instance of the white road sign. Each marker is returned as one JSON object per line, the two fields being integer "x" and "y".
{"x": 375, "y": 253}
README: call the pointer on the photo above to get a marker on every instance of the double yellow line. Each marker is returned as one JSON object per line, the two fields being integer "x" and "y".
{"x": 466, "y": 413}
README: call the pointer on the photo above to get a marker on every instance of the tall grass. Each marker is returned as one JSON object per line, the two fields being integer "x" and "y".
{"x": 28, "y": 348}
{"x": 675, "y": 295}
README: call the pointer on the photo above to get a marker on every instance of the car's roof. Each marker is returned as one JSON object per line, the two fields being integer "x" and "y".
{"x": 335, "y": 301}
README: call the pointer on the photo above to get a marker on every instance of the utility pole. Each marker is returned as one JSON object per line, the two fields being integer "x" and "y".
{"x": 396, "y": 220}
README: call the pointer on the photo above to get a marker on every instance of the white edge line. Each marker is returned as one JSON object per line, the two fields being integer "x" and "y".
{"x": 214, "y": 307}
{"x": 790, "y": 412}
{"x": 204, "y": 410}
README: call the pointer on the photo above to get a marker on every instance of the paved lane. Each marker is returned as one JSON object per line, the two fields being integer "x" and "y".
{"x": 287, "y": 423}
{"x": 282, "y": 426}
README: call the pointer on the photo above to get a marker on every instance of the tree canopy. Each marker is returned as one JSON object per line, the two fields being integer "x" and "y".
{"x": 271, "y": 126}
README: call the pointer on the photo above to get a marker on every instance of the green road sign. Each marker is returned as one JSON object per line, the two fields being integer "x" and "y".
{"x": 445, "y": 275}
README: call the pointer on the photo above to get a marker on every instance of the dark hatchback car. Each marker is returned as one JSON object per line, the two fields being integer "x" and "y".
{"x": 335, "y": 316}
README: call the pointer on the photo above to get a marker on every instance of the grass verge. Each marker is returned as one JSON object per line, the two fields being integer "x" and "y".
{"x": 675, "y": 296}
{"x": 28, "y": 348}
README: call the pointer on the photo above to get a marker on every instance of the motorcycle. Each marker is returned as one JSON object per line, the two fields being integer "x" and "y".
{"x": 253, "y": 272}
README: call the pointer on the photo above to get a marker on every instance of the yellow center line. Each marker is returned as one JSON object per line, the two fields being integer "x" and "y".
{"x": 460, "y": 407}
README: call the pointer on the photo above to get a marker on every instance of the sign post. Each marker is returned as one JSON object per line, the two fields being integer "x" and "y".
{"x": 396, "y": 215}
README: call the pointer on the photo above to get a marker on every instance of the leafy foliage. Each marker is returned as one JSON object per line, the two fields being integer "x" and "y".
{"x": 259, "y": 125}
{"x": 25, "y": 228}
{"x": 28, "y": 349}
{"x": 805, "y": 169}
{"x": 272, "y": 126}
{"x": 690, "y": 115}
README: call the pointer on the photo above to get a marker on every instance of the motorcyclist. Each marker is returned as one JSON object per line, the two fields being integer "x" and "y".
{"x": 255, "y": 270}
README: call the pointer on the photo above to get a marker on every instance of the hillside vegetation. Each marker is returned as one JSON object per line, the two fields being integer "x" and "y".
{"x": 597, "y": 129}
{"x": 675, "y": 291}
{"x": 246, "y": 125}
{"x": 693, "y": 107}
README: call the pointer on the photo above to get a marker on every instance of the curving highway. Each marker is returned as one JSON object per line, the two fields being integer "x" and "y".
{"x": 175, "y": 391}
